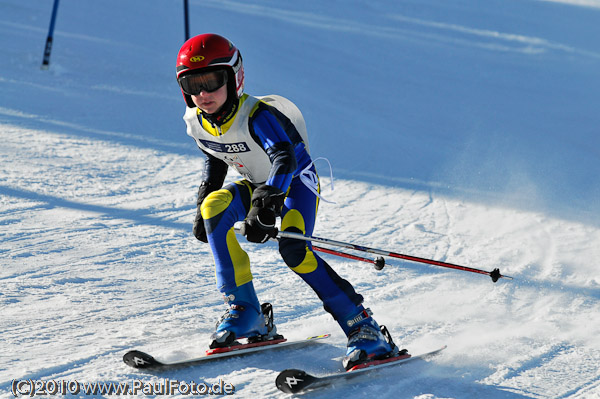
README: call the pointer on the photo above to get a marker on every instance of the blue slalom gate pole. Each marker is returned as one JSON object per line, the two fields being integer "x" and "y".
{"x": 186, "y": 19}
{"x": 48, "y": 48}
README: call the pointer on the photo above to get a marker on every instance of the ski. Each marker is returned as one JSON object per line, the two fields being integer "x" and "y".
{"x": 294, "y": 381}
{"x": 141, "y": 360}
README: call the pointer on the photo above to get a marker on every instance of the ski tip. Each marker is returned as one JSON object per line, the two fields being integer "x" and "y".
{"x": 316, "y": 337}
{"x": 434, "y": 352}
{"x": 140, "y": 360}
{"x": 293, "y": 380}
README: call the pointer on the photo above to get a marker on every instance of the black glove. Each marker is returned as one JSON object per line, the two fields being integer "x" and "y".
{"x": 198, "y": 229}
{"x": 259, "y": 225}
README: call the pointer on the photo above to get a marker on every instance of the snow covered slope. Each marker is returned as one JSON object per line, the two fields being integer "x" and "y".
{"x": 461, "y": 131}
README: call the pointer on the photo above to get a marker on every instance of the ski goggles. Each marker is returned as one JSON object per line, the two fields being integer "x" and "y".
{"x": 209, "y": 82}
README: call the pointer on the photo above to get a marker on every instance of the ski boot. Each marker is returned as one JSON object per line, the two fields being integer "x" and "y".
{"x": 366, "y": 340}
{"x": 245, "y": 318}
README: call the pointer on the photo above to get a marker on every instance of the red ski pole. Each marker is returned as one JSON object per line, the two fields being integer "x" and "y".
{"x": 494, "y": 274}
{"x": 378, "y": 262}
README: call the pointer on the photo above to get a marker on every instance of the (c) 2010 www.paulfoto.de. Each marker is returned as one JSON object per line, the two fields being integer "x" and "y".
{"x": 30, "y": 387}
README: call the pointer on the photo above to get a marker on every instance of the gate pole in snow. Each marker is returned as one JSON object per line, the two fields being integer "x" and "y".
{"x": 48, "y": 48}
{"x": 186, "y": 19}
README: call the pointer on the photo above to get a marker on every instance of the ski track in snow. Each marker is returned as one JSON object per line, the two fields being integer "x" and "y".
{"x": 96, "y": 206}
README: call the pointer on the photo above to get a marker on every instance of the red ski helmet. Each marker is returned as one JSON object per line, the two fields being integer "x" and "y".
{"x": 207, "y": 52}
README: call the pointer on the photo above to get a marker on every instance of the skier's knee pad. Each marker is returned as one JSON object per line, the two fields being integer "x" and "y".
{"x": 213, "y": 208}
{"x": 215, "y": 203}
{"x": 297, "y": 255}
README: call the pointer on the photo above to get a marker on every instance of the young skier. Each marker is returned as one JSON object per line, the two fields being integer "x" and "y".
{"x": 265, "y": 141}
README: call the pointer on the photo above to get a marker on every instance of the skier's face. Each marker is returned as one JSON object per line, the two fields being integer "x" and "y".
{"x": 211, "y": 102}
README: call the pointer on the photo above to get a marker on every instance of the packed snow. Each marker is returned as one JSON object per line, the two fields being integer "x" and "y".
{"x": 463, "y": 131}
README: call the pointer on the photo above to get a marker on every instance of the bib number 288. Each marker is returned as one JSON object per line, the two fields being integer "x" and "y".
{"x": 237, "y": 147}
